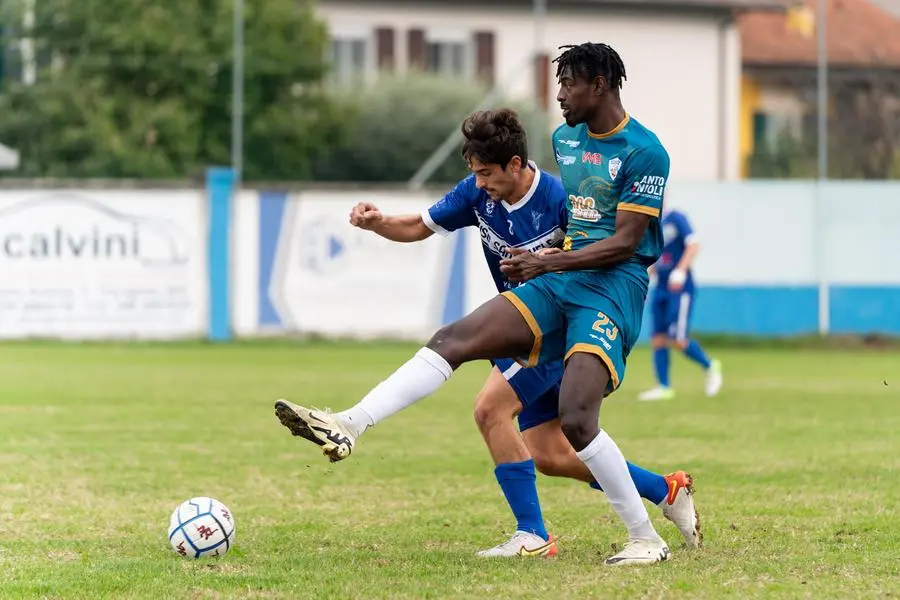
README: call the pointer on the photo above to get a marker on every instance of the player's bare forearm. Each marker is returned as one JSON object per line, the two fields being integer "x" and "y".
{"x": 402, "y": 228}
{"x": 690, "y": 252}
{"x": 617, "y": 248}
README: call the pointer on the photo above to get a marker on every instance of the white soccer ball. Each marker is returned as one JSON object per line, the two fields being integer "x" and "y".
{"x": 201, "y": 527}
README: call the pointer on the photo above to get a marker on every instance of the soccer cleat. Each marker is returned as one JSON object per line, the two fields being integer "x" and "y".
{"x": 714, "y": 378}
{"x": 321, "y": 428}
{"x": 523, "y": 543}
{"x": 679, "y": 508}
{"x": 640, "y": 552}
{"x": 657, "y": 393}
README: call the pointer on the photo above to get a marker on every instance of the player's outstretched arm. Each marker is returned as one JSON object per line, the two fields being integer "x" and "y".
{"x": 397, "y": 228}
{"x": 617, "y": 248}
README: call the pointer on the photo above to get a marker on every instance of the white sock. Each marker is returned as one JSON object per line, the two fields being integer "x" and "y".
{"x": 420, "y": 377}
{"x": 606, "y": 463}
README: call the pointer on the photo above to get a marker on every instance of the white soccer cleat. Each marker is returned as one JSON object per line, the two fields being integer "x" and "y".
{"x": 657, "y": 394}
{"x": 640, "y": 552}
{"x": 678, "y": 507}
{"x": 522, "y": 543}
{"x": 319, "y": 427}
{"x": 714, "y": 378}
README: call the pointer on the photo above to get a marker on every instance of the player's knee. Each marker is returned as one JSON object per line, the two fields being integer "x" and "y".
{"x": 659, "y": 341}
{"x": 491, "y": 410}
{"x": 452, "y": 346}
{"x": 578, "y": 427}
{"x": 485, "y": 417}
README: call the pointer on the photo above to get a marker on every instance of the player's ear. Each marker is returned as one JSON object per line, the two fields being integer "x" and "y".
{"x": 515, "y": 165}
{"x": 599, "y": 85}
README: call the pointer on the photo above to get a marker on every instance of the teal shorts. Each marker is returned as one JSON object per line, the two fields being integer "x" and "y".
{"x": 598, "y": 312}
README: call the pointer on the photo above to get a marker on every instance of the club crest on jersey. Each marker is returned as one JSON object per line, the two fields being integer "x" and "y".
{"x": 489, "y": 208}
{"x": 614, "y": 165}
{"x": 583, "y": 208}
{"x": 536, "y": 219}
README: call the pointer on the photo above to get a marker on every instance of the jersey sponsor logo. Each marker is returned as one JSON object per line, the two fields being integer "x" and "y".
{"x": 651, "y": 186}
{"x": 571, "y": 143}
{"x": 536, "y": 219}
{"x": 496, "y": 244}
{"x": 564, "y": 160}
{"x": 614, "y": 165}
{"x": 583, "y": 208}
{"x": 594, "y": 158}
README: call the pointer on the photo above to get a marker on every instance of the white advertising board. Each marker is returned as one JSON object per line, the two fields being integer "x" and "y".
{"x": 80, "y": 264}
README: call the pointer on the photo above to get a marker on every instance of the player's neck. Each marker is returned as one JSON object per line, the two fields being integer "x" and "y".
{"x": 523, "y": 186}
{"x": 608, "y": 119}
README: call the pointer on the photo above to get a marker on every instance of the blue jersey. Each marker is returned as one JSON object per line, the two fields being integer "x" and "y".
{"x": 677, "y": 233}
{"x": 536, "y": 221}
{"x": 623, "y": 170}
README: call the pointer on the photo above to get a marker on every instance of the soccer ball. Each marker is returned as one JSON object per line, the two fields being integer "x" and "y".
{"x": 201, "y": 527}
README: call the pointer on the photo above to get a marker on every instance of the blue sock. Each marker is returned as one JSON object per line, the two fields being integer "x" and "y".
{"x": 518, "y": 482}
{"x": 697, "y": 354}
{"x": 661, "y": 364}
{"x": 650, "y": 486}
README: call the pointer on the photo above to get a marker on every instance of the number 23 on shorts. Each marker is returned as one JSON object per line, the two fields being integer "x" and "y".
{"x": 603, "y": 325}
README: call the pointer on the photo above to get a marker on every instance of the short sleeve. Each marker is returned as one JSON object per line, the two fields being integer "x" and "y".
{"x": 684, "y": 226}
{"x": 455, "y": 210}
{"x": 557, "y": 195}
{"x": 646, "y": 174}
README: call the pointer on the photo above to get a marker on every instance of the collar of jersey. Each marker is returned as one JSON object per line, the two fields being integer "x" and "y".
{"x": 612, "y": 132}
{"x": 534, "y": 186}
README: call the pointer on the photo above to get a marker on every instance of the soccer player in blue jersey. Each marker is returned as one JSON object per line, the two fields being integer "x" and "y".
{"x": 672, "y": 303}
{"x": 582, "y": 304}
{"x": 513, "y": 203}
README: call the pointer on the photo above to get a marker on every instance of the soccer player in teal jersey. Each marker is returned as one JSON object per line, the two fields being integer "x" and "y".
{"x": 583, "y": 304}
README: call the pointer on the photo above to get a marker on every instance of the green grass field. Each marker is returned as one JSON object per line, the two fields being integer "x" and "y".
{"x": 796, "y": 466}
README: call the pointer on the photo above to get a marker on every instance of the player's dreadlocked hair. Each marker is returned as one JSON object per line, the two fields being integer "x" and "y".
{"x": 590, "y": 60}
{"x": 494, "y": 137}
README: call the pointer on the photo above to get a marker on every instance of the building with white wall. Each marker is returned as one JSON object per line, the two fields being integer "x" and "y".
{"x": 682, "y": 58}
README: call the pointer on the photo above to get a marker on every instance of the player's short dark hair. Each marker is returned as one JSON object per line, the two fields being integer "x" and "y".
{"x": 494, "y": 137}
{"x": 588, "y": 60}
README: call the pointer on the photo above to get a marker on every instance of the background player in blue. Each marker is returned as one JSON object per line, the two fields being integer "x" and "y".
{"x": 672, "y": 304}
{"x": 584, "y": 305}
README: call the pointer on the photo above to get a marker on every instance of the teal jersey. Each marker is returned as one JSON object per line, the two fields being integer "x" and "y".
{"x": 625, "y": 169}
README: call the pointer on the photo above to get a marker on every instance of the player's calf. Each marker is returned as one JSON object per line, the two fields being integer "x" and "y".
{"x": 496, "y": 407}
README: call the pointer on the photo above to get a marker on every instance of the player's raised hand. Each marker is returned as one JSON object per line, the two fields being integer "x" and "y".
{"x": 365, "y": 215}
{"x": 521, "y": 265}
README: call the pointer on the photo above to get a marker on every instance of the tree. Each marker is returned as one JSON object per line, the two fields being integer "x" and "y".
{"x": 400, "y": 121}
{"x": 142, "y": 88}
{"x": 864, "y": 125}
